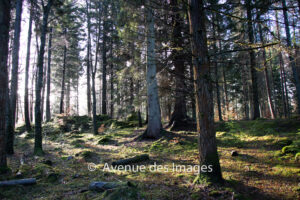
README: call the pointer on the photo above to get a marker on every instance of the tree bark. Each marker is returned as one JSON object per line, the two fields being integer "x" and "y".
{"x": 5, "y": 7}
{"x": 111, "y": 81}
{"x": 62, "y": 95}
{"x": 26, "y": 104}
{"x": 270, "y": 102}
{"x": 88, "y": 59}
{"x": 291, "y": 58}
{"x": 256, "y": 113}
{"x": 208, "y": 153}
{"x": 216, "y": 75}
{"x": 179, "y": 119}
{"x": 48, "y": 113}
{"x": 104, "y": 63}
{"x": 154, "y": 117}
{"x": 38, "y": 145}
{"x": 14, "y": 79}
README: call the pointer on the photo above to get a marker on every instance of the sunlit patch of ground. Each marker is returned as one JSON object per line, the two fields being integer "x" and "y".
{"x": 259, "y": 172}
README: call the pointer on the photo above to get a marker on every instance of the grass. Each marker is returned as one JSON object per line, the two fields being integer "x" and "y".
{"x": 266, "y": 167}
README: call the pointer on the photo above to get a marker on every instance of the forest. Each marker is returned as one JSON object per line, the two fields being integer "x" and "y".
{"x": 150, "y": 99}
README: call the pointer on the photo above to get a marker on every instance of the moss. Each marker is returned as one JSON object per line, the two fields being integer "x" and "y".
{"x": 128, "y": 193}
{"x": 105, "y": 140}
{"x": 290, "y": 149}
{"x": 25, "y": 169}
{"x": 40, "y": 170}
{"x": 77, "y": 143}
{"x": 297, "y": 156}
{"x": 53, "y": 177}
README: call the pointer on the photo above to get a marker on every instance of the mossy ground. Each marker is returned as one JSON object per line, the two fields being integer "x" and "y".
{"x": 261, "y": 171}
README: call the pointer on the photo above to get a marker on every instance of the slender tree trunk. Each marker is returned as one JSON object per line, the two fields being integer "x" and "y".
{"x": 270, "y": 102}
{"x": 131, "y": 95}
{"x": 38, "y": 145}
{"x": 111, "y": 82}
{"x": 5, "y": 7}
{"x": 256, "y": 113}
{"x": 14, "y": 79}
{"x": 68, "y": 105}
{"x": 94, "y": 104}
{"x": 282, "y": 73}
{"x": 43, "y": 95}
{"x": 225, "y": 89}
{"x": 48, "y": 114}
{"x": 104, "y": 63}
{"x": 208, "y": 153}
{"x": 154, "y": 117}
{"x": 216, "y": 75}
{"x": 62, "y": 96}
{"x": 26, "y": 104}
{"x": 88, "y": 59}
{"x": 291, "y": 58}
{"x": 245, "y": 91}
{"x": 193, "y": 96}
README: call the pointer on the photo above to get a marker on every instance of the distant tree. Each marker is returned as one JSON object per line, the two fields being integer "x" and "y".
{"x": 26, "y": 102}
{"x": 48, "y": 113}
{"x": 38, "y": 145}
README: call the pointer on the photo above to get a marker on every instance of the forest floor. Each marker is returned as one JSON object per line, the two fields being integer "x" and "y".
{"x": 267, "y": 165}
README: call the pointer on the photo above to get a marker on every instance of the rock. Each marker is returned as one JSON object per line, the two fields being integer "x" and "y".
{"x": 234, "y": 153}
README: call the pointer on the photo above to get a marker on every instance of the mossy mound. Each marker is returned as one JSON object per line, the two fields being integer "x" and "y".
{"x": 105, "y": 140}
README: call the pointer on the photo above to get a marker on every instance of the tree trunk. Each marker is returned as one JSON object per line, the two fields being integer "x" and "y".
{"x": 216, "y": 74}
{"x": 179, "y": 119}
{"x": 62, "y": 96}
{"x": 111, "y": 82}
{"x": 43, "y": 94}
{"x": 104, "y": 64}
{"x": 208, "y": 153}
{"x": 154, "y": 117}
{"x": 256, "y": 113}
{"x": 291, "y": 58}
{"x": 94, "y": 104}
{"x": 14, "y": 79}
{"x": 38, "y": 145}
{"x": 270, "y": 102}
{"x": 5, "y": 7}
{"x": 88, "y": 60}
{"x": 26, "y": 104}
{"x": 282, "y": 74}
{"x": 48, "y": 114}
{"x": 68, "y": 105}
